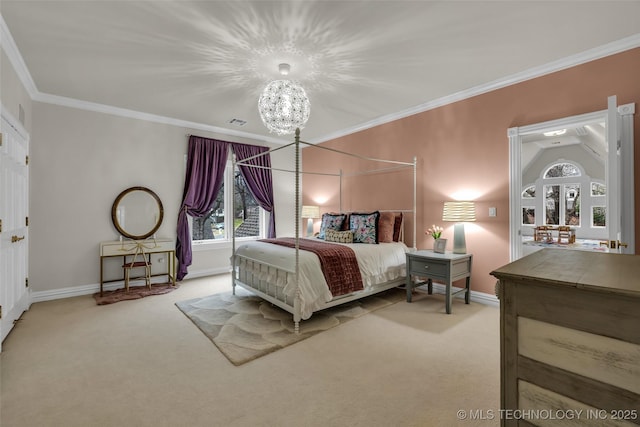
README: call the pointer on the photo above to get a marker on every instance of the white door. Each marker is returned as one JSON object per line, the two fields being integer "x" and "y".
{"x": 14, "y": 238}
{"x": 620, "y": 175}
{"x": 600, "y": 145}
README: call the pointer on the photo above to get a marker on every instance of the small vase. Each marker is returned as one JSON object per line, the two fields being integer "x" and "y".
{"x": 439, "y": 246}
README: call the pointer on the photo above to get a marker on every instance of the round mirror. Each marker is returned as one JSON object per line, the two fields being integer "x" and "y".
{"x": 137, "y": 213}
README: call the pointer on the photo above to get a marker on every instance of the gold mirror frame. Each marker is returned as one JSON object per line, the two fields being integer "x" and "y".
{"x": 149, "y": 209}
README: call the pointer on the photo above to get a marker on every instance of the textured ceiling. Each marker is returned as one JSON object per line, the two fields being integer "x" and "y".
{"x": 361, "y": 62}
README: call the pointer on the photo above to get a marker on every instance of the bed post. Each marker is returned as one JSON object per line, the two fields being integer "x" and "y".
{"x": 415, "y": 205}
{"x": 340, "y": 201}
{"x": 296, "y": 303}
{"x": 233, "y": 229}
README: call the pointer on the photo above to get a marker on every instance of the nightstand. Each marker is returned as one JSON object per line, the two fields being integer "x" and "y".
{"x": 446, "y": 268}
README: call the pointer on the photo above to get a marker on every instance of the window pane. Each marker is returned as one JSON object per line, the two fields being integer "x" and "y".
{"x": 552, "y": 204}
{"x": 572, "y": 204}
{"x": 598, "y": 189}
{"x": 599, "y": 216}
{"x": 246, "y": 218}
{"x": 528, "y": 216}
{"x": 560, "y": 170}
{"x": 211, "y": 226}
{"x": 529, "y": 192}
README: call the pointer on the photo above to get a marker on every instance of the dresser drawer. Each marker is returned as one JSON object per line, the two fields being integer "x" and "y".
{"x": 428, "y": 267}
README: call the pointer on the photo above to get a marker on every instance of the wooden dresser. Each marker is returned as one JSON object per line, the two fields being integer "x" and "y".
{"x": 570, "y": 339}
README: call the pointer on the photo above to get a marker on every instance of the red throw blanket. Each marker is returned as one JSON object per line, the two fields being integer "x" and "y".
{"x": 339, "y": 263}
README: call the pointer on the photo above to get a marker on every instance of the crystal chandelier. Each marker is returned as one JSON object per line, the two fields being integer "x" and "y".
{"x": 284, "y": 105}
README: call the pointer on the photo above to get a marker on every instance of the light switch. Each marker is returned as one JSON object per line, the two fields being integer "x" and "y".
{"x": 492, "y": 212}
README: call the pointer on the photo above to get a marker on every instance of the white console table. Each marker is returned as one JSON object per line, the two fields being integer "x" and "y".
{"x": 147, "y": 247}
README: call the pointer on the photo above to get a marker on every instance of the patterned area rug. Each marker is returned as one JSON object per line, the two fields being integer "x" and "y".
{"x": 135, "y": 292}
{"x": 245, "y": 327}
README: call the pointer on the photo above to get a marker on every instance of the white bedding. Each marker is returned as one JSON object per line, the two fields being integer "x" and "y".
{"x": 378, "y": 264}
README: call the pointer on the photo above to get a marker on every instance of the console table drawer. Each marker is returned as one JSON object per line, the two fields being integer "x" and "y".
{"x": 129, "y": 247}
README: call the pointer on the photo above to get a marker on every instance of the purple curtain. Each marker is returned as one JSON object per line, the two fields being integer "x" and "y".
{"x": 258, "y": 179}
{"x": 206, "y": 162}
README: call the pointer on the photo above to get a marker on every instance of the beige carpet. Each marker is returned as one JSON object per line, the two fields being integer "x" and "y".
{"x": 245, "y": 327}
{"x": 142, "y": 363}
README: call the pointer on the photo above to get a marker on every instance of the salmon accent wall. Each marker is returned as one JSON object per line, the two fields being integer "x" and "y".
{"x": 463, "y": 147}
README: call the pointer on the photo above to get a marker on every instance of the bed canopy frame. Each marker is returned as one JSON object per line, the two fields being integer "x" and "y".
{"x": 394, "y": 166}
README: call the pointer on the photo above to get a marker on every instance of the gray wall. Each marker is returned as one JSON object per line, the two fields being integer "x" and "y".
{"x": 80, "y": 161}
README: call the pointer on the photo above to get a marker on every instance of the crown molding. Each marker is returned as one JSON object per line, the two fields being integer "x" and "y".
{"x": 8, "y": 44}
{"x": 618, "y": 46}
{"x": 132, "y": 114}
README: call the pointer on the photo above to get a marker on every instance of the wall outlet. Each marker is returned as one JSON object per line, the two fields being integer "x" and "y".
{"x": 493, "y": 212}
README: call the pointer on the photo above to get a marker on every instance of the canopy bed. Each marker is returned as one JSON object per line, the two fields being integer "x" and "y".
{"x": 356, "y": 255}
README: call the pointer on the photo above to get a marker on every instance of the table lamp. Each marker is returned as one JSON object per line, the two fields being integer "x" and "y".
{"x": 459, "y": 212}
{"x": 310, "y": 212}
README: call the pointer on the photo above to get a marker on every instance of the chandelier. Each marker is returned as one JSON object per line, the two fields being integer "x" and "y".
{"x": 284, "y": 105}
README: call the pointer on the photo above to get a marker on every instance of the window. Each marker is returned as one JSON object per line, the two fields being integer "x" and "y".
{"x": 247, "y": 219}
{"x": 598, "y": 217}
{"x": 562, "y": 170}
{"x": 562, "y": 204}
{"x": 528, "y": 216}
{"x": 598, "y": 208}
{"x": 598, "y": 189}
{"x": 562, "y": 200}
{"x": 529, "y": 192}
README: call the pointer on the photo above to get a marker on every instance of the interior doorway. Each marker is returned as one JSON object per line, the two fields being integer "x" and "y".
{"x": 14, "y": 213}
{"x": 572, "y": 183}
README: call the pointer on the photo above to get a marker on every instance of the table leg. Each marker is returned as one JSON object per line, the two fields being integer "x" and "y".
{"x": 101, "y": 275}
{"x": 467, "y": 295}
{"x": 408, "y": 286}
{"x": 429, "y": 286}
{"x": 448, "y": 297}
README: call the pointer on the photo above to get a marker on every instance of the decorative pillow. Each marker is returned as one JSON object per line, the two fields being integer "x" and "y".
{"x": 364, "y": 227}
{"x": 339, "y": 236}
{"x": 385, "y": 227}
{"x": 330, "y": 222}
{"x": 397, "y": 227}
{"x": 345, "y": 224}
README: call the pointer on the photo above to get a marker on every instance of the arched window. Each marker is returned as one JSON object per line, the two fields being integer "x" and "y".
{"x": 529, "y": 192}
{"x": 561, "y": 199}
{"x": 562, "y": 170}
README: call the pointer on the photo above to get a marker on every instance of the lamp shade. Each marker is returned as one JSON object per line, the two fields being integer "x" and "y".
{"x": 310, "y": 212}
{"x": 459, "y": 211}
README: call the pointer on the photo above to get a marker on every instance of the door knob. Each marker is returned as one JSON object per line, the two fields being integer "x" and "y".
{"x": 15, "y": 239}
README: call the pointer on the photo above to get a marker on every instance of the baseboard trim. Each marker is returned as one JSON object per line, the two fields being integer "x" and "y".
{"x": 77, "y": 291}
{"x": 479, "y": 297}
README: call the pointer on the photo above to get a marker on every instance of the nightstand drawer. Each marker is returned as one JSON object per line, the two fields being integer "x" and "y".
{"x": 429, "y": 267}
